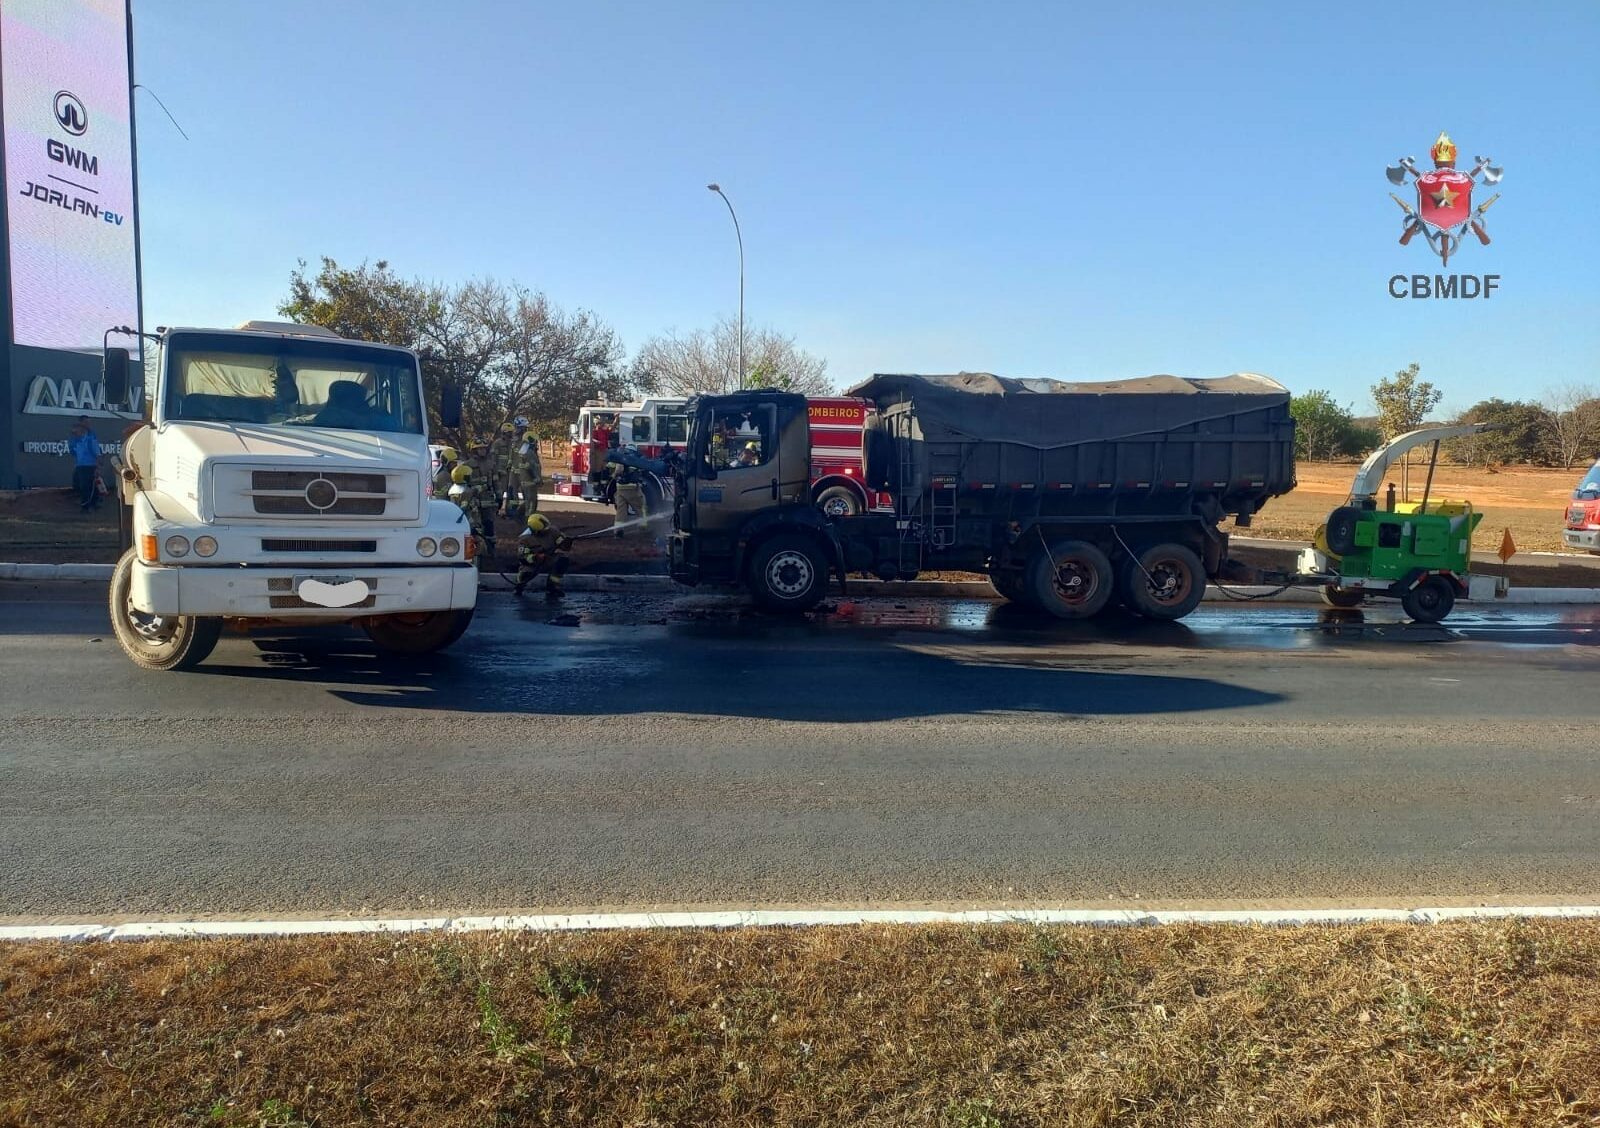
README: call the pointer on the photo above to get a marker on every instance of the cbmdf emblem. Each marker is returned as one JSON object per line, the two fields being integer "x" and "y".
{"x": 1444, "y": 213}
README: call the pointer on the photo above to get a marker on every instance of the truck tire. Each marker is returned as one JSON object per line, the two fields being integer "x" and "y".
{"x": 1346, "y": 599}
{"x": 415, "y": 635}
{"x": 788, "y": 573}
{"x": 1071, "y": 581}
{"x": 839, "y": 501}
{"x": 877, "y": 456}
{"x": 1341, "y": 530}
{"x": 158, "y": 642}
{"x": 1165, "y": 581}
{"x": 1430, "y": 601}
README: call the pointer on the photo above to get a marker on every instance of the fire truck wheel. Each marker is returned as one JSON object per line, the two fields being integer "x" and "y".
{"x": 1165, "y": 582}
{"x": 1346, "y": 599}
{"x": 839, "y": 501}
{"x": 788, "y": 573}
{"x": 1430, "y": 601}
{"x": 158, "y": 642}
{"x": 1011, "y": 585}
{"x": 1071, "y": 581}
{"x": 414, "y": 635}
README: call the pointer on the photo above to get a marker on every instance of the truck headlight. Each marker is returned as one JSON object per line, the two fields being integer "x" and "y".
{"x": 450, "y": 546}
{"x": 427, "y": 546}
{"x": 177, "y": 547}
{"x": 205, "y": 546}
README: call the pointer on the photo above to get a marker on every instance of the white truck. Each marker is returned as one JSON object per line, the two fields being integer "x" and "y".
{"x": 283, "y": 478}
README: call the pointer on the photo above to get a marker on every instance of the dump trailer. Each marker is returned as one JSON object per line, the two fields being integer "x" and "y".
{"x": 1068, "y": 495}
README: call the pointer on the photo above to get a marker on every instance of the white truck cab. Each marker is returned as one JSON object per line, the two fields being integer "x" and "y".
{"x": 284, "y": 477}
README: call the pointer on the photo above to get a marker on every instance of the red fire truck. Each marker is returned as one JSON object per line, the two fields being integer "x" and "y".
{"x": 654, "y": 425}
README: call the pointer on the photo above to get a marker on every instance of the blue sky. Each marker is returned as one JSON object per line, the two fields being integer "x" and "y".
{"x": 1029, "y": 189}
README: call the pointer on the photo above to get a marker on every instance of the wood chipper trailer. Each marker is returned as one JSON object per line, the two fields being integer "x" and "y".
{"x": 1417, "y": 552}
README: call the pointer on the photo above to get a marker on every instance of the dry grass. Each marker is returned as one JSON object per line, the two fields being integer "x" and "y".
{"x": 1467, "y": 1023}
{"x": 1530, "y": 502}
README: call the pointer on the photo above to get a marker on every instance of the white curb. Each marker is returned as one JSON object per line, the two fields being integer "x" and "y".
{"x": 779, "y": 918}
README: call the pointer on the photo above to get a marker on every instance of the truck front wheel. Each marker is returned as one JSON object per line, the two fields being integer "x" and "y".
{"x": 1011, "y": 585}
{"x": 788, "y": 573}
{"x": 158, "y": 642}
{"x": 1070, "y": 581}
{"x": 1164, "y": 582}
{"x": 415, "y": 635}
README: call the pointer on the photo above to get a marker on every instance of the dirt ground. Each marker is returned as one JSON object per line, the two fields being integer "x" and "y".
{"x": 1530, "y": 502}
{"x": 963, "y": 1027}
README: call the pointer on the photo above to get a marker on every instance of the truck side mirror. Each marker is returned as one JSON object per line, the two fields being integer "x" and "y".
{"x": 114, "y": 375}
{"x": 450, "y": 406}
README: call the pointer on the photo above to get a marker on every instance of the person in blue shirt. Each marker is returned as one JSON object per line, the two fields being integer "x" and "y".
{"x": 85, "y": 447}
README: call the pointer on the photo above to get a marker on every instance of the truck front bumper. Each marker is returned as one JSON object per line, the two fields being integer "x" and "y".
{"x": 271, "y": 593}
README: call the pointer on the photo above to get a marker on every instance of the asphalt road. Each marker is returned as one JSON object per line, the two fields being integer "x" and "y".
{"x": 668, "y": 753}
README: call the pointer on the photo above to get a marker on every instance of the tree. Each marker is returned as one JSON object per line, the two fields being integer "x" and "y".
{"x": 1571, "y": 417}
{"x": 708, "y": 361}
{"x": 1404, "y": 401}
{"x": 1323, "y": 429}
{"x": 510, "y": 350}
{"x": 1518, "y": 434}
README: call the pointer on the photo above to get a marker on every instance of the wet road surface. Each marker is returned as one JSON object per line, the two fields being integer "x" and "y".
{"x": 617, "y": 751}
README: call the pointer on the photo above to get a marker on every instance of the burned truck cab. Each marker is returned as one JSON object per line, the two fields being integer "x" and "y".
{"x": 745, "y": 485}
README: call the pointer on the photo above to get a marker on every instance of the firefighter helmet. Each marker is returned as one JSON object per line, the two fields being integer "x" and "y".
{"x": 457, "y": 492}
{"x": 460, "y": 473}
{"x": 538, "y": 522}
{"x": 529, "y": 437}
{"x": 449, "y": 454}
{"x": 507, "y": 428}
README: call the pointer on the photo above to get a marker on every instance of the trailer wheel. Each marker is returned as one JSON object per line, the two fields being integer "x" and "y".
{"x": 1430, "y": 601}
{"x": 1071, "y": 581}
{"x": 158, "y": 642}
{"x": 788, "y": 574}
{"x": 1340, "y": 530}
{"x": 415, "y": 635}
{"x": 1166, "y": 581}
{"x": 1346, "y": 599}
{"x": 839, "y": 501}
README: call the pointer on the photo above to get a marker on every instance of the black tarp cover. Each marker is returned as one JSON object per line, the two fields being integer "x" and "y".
{"x": 981, "y": 407}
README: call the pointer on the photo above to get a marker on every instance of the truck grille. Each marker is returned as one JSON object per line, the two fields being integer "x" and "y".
{"x": 299, "y": 493}
{"x": 281, "y": 595}
{"x": 268, "y": 545}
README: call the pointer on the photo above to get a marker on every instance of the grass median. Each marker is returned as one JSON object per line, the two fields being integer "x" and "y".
{"x": 1461, "y": 1023}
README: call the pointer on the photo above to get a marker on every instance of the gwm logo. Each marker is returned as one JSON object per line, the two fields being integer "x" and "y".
{"x": 70, "y": 114}
{"x": 1443, "y": 215}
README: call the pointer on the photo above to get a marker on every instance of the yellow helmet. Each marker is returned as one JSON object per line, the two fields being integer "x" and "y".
{"x": 507, "y": 429}
{"x": 478, "y": 444}
{"x": 538, "y": 522}
{"x": 529, "y": 437}
{"x": 449, "y": 454}
{"x": 753, "y": 446}
{"x": 461, "y": 473}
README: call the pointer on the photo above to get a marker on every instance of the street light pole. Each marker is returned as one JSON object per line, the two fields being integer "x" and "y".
{"x": 739, "y": 236}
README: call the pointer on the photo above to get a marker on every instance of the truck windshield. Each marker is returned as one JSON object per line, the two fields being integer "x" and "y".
{"x": 1589, "y": 488}
{"x": 225, "y": 378}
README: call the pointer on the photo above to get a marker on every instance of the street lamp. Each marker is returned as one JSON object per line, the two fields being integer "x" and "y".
{"x": 717, "y": 188}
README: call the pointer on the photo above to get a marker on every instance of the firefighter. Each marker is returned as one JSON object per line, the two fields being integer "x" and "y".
{"x": 602, "y": 437}
{"x": 719, "y": 444}
{"x": 522, "y": 484}
{"x": 542, "y": 548}
{"x": 485, "y": 483}
{"x": 465, "y": 494}
{"x": 629, "y": 496}
{"x": 448, "y": 457}
{"x": 505, "y": 454}
{"x": 750, "y": 455}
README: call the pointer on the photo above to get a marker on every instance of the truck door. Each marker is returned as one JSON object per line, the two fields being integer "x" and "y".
{"x": 743, "y": 454}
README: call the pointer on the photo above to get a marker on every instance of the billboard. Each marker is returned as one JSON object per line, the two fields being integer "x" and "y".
{"x": 69, "y": 179}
